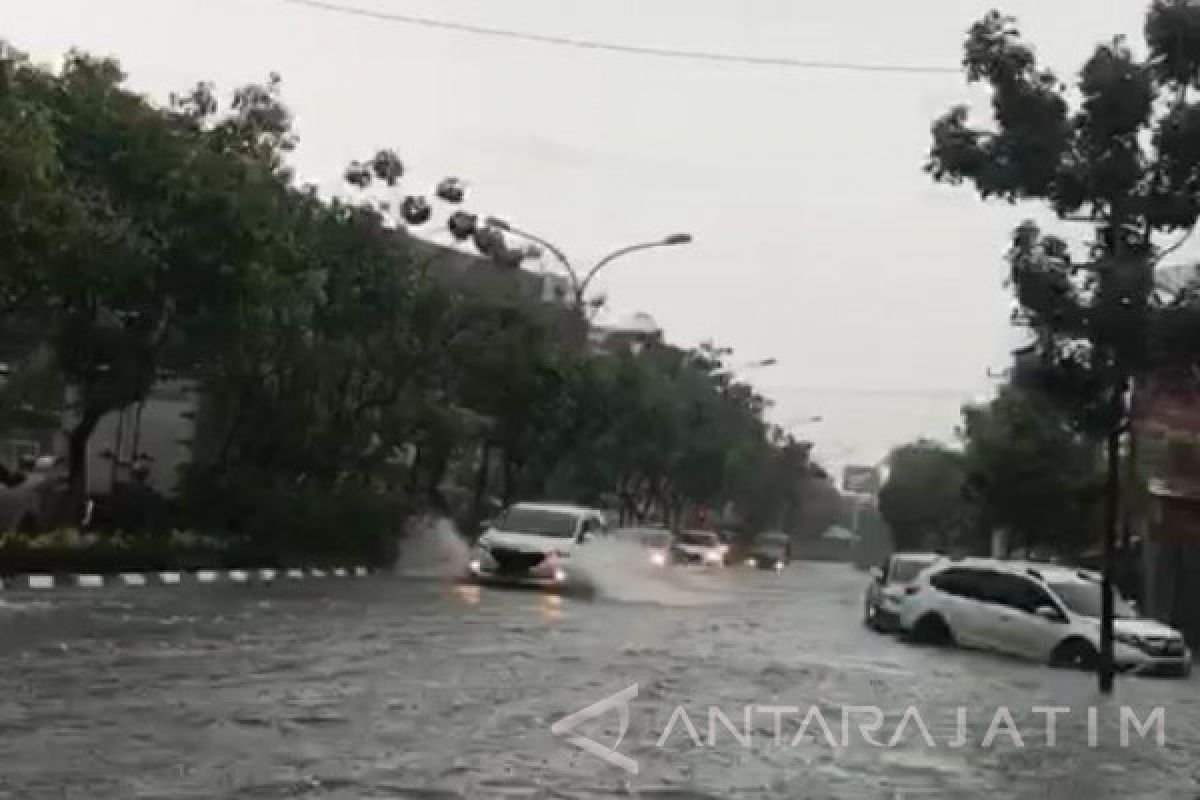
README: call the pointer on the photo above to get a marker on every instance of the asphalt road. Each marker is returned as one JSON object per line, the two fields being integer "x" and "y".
{"x": 407, "y": 686}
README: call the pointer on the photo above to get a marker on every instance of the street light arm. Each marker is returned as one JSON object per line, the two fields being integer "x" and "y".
{"x": 557, "y": 253}
{"x": 613, "y": 256}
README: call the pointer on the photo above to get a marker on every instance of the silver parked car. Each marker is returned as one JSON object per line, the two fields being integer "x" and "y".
{"x": 885, "y": 594}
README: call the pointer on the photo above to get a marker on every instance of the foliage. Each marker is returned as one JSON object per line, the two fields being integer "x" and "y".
{"x": 1123, "y": 160}
{"x": 922, "y": 500}
{"x": 1030, "y": 473}
{"x": 144, "y": 243}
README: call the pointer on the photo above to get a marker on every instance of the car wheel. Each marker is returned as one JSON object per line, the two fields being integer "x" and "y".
{"x": 1075, "y": 654}
{"x": 932, "y": 629}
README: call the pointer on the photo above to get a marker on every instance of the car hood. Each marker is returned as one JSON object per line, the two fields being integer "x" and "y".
{"x": 525, "y": 542}
{"x": 1142, "y": 626}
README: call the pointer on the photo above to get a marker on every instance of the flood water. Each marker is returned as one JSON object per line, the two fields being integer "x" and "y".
{"x": 411, "y": 686}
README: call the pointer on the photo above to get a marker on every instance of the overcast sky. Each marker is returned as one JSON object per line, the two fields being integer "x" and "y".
{"x": 819, "y": 241}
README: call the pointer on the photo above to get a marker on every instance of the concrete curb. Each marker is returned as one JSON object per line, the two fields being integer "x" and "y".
{"x": 196, "y": 577}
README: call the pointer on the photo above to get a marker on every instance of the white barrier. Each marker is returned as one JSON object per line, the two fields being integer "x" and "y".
{"x": 41, "y": 582}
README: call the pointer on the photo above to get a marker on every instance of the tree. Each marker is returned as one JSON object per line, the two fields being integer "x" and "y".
{"x": 141, "y": 223}
{"x": 922, "y": 500}
{"x": 1123, "y": 161}
{"x": 1031, "y": 472}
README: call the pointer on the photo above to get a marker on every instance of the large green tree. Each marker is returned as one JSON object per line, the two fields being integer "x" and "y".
{"x": 1031, "y": 473}
{"x": 922, "y": 499}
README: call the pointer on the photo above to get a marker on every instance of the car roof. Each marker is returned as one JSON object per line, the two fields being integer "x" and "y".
{"x": 1058, "y": 573}
{"x": 930, "y": 557}
{"x": 561, "y": 508}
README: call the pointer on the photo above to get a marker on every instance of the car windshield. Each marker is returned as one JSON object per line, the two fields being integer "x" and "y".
{"x": 1086, "y": 599}
{"x": 698, "y": 538}
{"x": 905, "y": 570}
{"x": 537, "y": 521}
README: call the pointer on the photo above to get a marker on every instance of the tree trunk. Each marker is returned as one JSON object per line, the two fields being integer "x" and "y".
{"x": 481, "y": 482}
{"x": 77, "y": 461}
{"x": 508, "y": 478}
{"x": 1112, "y": 489}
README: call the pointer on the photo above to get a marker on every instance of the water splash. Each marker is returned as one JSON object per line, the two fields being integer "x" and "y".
{"x": 622, "y": 571}
{"x": 433, "y": 548}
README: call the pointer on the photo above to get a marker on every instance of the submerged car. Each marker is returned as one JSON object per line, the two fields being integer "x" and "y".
{"x": 700, "y": 548}
{"x": 770, "y": 550}
{"x": 530, "y": 543}
{"x": 1049, "y": 613}
{"x": 885, "y": 594}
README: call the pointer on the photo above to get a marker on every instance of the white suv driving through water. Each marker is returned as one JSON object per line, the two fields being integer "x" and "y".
{"x": 1049, "y": 613}
{"x": 529, "y": 543}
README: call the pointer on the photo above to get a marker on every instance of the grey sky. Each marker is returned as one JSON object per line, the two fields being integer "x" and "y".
{"x": 819, "y": 241}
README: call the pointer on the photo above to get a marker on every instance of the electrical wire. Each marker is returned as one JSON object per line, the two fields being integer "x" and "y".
{"x": 627, "y": 49}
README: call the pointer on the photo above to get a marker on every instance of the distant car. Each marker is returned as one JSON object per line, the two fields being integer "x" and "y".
{"x": 885, "y": 594}
{"x": 1049, "y": 613}
{"x": 531, "y": 543}
{"x": 655, "y": 542}
{"x": 702, "y": 548}
{"x": 770, "y": 550}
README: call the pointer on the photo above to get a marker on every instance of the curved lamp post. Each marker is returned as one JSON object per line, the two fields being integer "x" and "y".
{"x": 579, "y": 285}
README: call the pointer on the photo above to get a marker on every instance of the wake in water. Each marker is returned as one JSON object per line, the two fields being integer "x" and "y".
{"x": 618, "y": 570}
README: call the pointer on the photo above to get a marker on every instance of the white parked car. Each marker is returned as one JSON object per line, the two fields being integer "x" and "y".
{"x": 1049, "y": 613}
{"x": 530, "y": 543}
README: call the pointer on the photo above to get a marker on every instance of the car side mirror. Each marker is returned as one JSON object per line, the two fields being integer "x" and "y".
{"x": 1049, "y": 613}
{"x": 877, "y": 574}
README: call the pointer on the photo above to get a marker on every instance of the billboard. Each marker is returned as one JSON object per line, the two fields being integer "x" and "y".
{"x": 861, "y": 480}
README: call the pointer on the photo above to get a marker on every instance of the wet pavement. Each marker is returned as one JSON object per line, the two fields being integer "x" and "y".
{"x": 409, "y": 687}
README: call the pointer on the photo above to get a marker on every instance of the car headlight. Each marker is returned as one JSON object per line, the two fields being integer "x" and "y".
{"x": 658, "y": 558}
{"x": 713, "y": 555}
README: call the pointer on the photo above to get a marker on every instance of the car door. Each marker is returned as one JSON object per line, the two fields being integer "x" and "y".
{"x": 1019, "y": 629}
{"x": 963, "y": 592}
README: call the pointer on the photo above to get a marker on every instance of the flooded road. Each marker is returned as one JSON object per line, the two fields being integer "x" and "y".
{"x": 392, "y": 687}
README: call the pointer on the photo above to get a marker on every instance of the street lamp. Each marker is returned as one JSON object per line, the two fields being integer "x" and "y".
{"x": 749, "y": 365}
{"x": 579, "y": 285}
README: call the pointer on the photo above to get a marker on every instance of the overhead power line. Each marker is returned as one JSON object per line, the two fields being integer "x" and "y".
{"x": 627, "y": 49}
